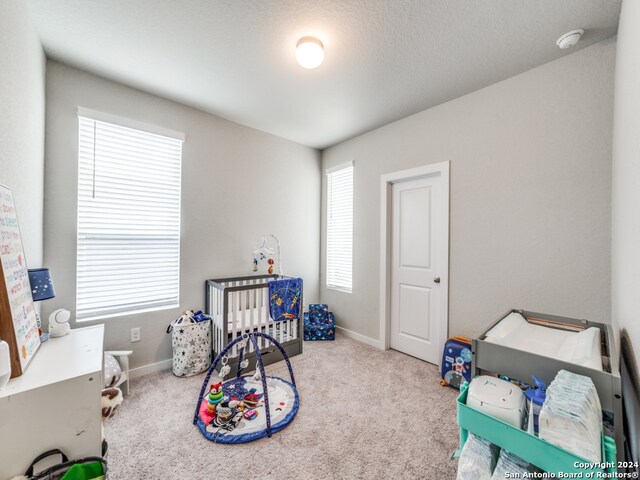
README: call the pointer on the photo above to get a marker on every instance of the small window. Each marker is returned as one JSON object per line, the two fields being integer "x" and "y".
{"x": 340, "y": 228}
{"x": 128, "y": 257}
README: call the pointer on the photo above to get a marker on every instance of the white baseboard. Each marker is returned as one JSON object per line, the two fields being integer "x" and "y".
{"x": 151, "y": 368}
{"x": 166, "y": 364}
{"x": 372, "y": 342}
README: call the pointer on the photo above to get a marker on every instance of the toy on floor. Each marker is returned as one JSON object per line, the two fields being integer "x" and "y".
{"x": 250, "y": 414}
{"x": 251, "y": 400}
{"x": 455, "y": 368}
{"x": 248, "y": 407}
{"x": 319, "y": 323}
{"x": 110, "y": 400}
{"x": 215, "y": 397}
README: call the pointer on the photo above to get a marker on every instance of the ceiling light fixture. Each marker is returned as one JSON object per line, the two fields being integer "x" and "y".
{"x": 309, "y": 52}
{"x": 569, "y": 39}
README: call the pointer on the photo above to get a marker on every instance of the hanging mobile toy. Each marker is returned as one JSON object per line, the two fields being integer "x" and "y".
{"x": 224, "y": 371}
{"x": 268, "y": 253}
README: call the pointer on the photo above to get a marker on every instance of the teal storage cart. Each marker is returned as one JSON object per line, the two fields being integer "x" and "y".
{"x": 534, "y": 450}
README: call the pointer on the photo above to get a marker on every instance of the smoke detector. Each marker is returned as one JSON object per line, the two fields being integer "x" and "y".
{"x": 569, "y": 39}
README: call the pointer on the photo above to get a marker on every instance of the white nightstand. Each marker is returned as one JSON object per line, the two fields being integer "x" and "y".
{"x": 55, "y": 403}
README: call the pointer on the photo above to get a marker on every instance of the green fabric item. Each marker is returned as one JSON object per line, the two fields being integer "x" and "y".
{"x": 86, "y": 471}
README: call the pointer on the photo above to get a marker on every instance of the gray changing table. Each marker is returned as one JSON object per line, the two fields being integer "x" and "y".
{"x": 494, "y": 358}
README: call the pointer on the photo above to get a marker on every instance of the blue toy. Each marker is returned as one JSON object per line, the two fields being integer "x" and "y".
{"x": 456, "y": 362}
{"x": 319, "y": 323}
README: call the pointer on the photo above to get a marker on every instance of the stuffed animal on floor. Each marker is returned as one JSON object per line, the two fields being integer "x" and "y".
{"x": 111, "y": 400}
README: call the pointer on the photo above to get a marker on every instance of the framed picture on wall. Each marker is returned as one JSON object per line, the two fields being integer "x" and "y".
{"x": 18, "y": 325}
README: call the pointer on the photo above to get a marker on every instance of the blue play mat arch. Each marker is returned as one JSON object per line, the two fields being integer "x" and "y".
{"x": 279, "y": 397}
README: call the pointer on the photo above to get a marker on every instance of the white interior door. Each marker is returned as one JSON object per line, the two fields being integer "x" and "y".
{"x": 419, "y": 260}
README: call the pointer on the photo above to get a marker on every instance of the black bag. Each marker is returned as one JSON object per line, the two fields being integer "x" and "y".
{"x": 56, "y": 472}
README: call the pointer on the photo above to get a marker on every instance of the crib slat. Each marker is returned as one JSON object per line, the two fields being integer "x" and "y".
{"x": 213, "y": 294}
{"x": 259, "y": 340}
{"x": 239, "y": 319}
{"x": 264, "y": 314}
{"x": 233, "y": 324}
{"x": 294, "y": 325}
{"x": 217, "y": 327}
{"x": 261, "y": 297}
{"x": 243, "y": 313}
{"x": 222, "y": 320}
{"x": 252, "y": 309}
{"x": 218, "y": 322}
{"x": 229, "y": 318}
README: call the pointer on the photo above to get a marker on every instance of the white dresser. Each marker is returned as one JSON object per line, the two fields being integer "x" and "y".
{"x": 55, "y": 404}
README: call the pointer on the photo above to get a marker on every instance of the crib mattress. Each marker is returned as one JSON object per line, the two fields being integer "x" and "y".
{"x": 580, "y": 348}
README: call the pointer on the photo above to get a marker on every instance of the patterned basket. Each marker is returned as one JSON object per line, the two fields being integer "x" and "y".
{"x": 191, "y": 342}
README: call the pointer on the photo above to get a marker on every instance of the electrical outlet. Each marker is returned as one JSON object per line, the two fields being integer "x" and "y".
{"x": 135, "y": 334}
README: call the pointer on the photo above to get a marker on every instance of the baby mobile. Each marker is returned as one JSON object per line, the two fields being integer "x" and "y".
{"x": 265, "y": 254}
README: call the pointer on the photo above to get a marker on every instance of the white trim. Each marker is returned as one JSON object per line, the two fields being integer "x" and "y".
{"x": 151, "y": 368}
{"x": 129, "y": 123}
{"x": 340, "y": 289}
{"x": 335, "y": 168}
{"x": 372, "y": 342}
{"x": 386, "y": 181}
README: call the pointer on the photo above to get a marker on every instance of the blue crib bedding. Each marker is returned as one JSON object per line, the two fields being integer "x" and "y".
{"x": 284, "y": 299}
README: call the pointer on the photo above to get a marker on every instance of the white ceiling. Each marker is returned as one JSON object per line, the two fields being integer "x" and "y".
{"x": 384, "y": 59}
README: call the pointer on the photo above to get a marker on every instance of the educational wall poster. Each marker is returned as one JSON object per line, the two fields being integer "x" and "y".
{"x": 17, "y": 313}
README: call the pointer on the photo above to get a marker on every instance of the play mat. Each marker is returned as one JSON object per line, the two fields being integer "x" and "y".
{"x": 248, "y": 407}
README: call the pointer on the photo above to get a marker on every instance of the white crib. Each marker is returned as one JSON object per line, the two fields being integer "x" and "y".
{"x": 240, "y": 305}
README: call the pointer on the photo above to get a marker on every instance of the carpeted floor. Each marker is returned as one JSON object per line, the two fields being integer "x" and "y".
{"x": 364, "y": 414}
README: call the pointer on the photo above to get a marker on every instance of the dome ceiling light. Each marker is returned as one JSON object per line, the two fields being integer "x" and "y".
{"x": 309, "y": 52}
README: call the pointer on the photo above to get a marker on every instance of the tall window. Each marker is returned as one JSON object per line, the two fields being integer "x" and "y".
{"x": 339, "y": 228}
{"x": 128, "y": 258}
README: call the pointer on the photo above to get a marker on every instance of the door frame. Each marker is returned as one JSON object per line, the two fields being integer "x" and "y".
{"x": 386, "y": 181}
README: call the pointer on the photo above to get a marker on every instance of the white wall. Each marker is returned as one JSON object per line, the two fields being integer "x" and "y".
{"x": 237, "y": 183}
{"x": 530, "y": 195}
{"x": 22, "y": 77}
{"x": 625, "y": 247}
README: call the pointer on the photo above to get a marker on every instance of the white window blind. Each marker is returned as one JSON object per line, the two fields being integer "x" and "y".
{"x": 340, "y": 228}
{"x": 128, "y": 256}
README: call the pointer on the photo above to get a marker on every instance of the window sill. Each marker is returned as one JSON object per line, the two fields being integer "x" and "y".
{"x": 339, "y": 289}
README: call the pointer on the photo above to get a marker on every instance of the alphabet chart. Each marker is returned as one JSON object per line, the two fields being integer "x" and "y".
{"x": 17, "y": 313}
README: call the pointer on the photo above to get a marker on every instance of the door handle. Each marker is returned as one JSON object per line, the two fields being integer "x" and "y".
{"x": 436, "y": 280}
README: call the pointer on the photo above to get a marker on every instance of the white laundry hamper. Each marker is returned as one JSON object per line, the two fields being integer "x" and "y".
{"x": 191, "y": 343}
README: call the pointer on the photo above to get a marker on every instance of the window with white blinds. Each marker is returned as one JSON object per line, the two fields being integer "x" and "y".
{"x": 128, "y": 258}
{"x": 339, "y": 228}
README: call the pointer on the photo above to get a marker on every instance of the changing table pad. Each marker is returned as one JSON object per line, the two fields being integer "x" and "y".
{"x": 580, "y": 348}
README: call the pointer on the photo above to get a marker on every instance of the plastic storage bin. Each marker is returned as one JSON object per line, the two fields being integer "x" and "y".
{"x": 540, "y": 453}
